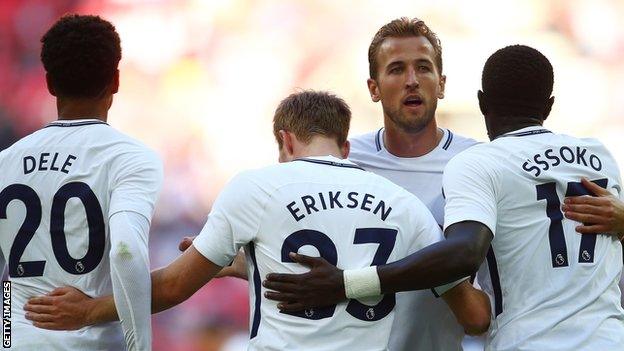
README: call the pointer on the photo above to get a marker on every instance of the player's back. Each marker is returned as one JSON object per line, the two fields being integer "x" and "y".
{"x": 353, "y": 218}
{"x": 552, "y": 288}
{"x": 55, "y": 201}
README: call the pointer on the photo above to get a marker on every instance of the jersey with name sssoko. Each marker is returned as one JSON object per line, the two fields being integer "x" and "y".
{"x": 57, "y": 192}
{"x": 422, "y": 322}
{"x": 551, "y": 288}
{"x": 317, "y": 206}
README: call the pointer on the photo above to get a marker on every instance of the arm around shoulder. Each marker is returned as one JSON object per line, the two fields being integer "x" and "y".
{"x": 470, "y": 306}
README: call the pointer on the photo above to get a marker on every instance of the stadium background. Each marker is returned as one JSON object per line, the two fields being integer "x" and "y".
{"x": 200, "y": 81}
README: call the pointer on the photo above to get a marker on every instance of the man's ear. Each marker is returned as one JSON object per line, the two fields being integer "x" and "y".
{"x": 442, "y": 86}
{"x": 373, "y": 89}
{"x": 115, "y": 83}
{"x": 345, "y": 149}
{"x": 287, "y": 142}
{"x": 49, "y": 85}
{"x": 482, "y": 102}
{"x": 549, "y": 106}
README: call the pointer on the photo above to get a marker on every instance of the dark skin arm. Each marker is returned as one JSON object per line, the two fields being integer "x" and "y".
{"x": 458, "y": 256}
{"x": 602, "y": 213}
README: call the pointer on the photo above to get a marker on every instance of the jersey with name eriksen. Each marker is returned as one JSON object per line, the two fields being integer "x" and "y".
{"x": 56, "y": 195}
{"x": 551, "y": 288}
{"x": 317, "y": 206}
{"x": 422, "y": 321}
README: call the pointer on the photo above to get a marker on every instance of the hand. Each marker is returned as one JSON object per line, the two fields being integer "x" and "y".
{"x": 186, "y": 243}
{"x": 601, "y": 214}
{"x": 322, "y": 286}
{"x": 62, "y": 309}
{"x": 237, "y": 269}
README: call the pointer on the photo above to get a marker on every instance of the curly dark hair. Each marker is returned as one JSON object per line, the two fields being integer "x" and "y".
{"x": 518, "y": 81}
{"x": 80, "y": 54}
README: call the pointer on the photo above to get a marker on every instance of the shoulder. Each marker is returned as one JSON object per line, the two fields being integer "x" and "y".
{"x": 125, "y": 148}
{"x": 456, "y": 143}
{"x": 478, "y": 157}
{"x": 24, "y": 142}
{"x": 368, "y": 143}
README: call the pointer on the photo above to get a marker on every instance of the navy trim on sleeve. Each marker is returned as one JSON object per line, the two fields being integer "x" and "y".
{"x": 494, "y": 277}
{"x": 257, "y": 292}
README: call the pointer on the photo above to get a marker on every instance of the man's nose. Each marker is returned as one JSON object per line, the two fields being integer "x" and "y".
{"x": 412, "y": 79}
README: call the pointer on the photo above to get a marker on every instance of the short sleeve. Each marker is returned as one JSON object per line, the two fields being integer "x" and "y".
{"x": 470, "y": 191}
{"x": 138, "y": 178}
{"x": 426, "y": 230}
{"x": 234, "y": 220}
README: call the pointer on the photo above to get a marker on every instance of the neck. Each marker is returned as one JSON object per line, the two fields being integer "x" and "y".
{"x": 69, "y": 109}
{"x": 401, "y": 143}
{"x": 319, "y": 146}
{"x": 500, "y": 125}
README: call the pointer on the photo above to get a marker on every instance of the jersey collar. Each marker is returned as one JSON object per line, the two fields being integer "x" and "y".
{"x": 444, "y": 143}
{"x": 533, "y": 130}
{"x": 329, "y": 161}
{"x": 75, "y": 122}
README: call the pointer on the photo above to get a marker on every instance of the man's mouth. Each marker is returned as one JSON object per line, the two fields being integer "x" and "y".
{"x": 413, "y": 101}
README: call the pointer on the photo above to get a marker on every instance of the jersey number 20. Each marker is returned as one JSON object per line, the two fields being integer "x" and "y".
{"x": 28, "y": 196}
{"x": 386, "y": 239}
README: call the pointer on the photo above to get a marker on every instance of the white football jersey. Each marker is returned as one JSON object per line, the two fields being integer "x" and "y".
{"x": 317, "y": 206}
{"x": 422, "y": 321}
{"x": 58, "y": 187}
{"x": 551, "y": 288}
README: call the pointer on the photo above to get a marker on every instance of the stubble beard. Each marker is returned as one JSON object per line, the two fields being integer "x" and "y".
{"x": 408, "y": 124}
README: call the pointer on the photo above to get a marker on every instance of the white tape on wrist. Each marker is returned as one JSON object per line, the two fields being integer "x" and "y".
{"x": 362, "y": 282}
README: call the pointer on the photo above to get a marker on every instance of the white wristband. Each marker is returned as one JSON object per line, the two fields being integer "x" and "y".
{"x": 362, "y": 282}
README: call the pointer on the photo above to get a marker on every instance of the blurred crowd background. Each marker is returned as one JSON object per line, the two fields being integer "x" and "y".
{"x": 200, "y": 81}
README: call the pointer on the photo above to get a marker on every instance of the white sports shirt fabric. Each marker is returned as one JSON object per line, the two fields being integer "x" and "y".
{"x": 551, "y": 288}
{"x": 422, "y": 322}
{"x": 316, "y": 205}
{"x": 58, "y": 189}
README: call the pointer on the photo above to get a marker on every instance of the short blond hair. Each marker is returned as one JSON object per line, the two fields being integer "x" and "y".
{"x": 310, "y": 113}
{"x": 402, "y": 28}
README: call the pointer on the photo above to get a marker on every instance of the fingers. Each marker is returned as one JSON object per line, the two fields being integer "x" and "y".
{"x": 41, "y": 300}
{"x": 586, "y": 200}
{"x": 284, "y": 278}
{"x": 278, "y": 296}
{"x": 281, "y": 287}
{"x": 290, "y": 306}
{"x": 39, "y": 317}
{"x": 60, "y": 291}
{"x": 45, "y": 309}
{"x": 593, "y": 229}
{"x": 308, "y": 261}
{"x": 586, "y": 209}
{"x": 586, "y": 218}
{"x": 594, "y": 188}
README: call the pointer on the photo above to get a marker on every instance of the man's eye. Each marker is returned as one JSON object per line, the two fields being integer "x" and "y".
{"x": 424, "y": 68}
{"x": 396, "y": 70}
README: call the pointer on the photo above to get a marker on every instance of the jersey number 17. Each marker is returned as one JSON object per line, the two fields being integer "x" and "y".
{"x": 556, "y": 237}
